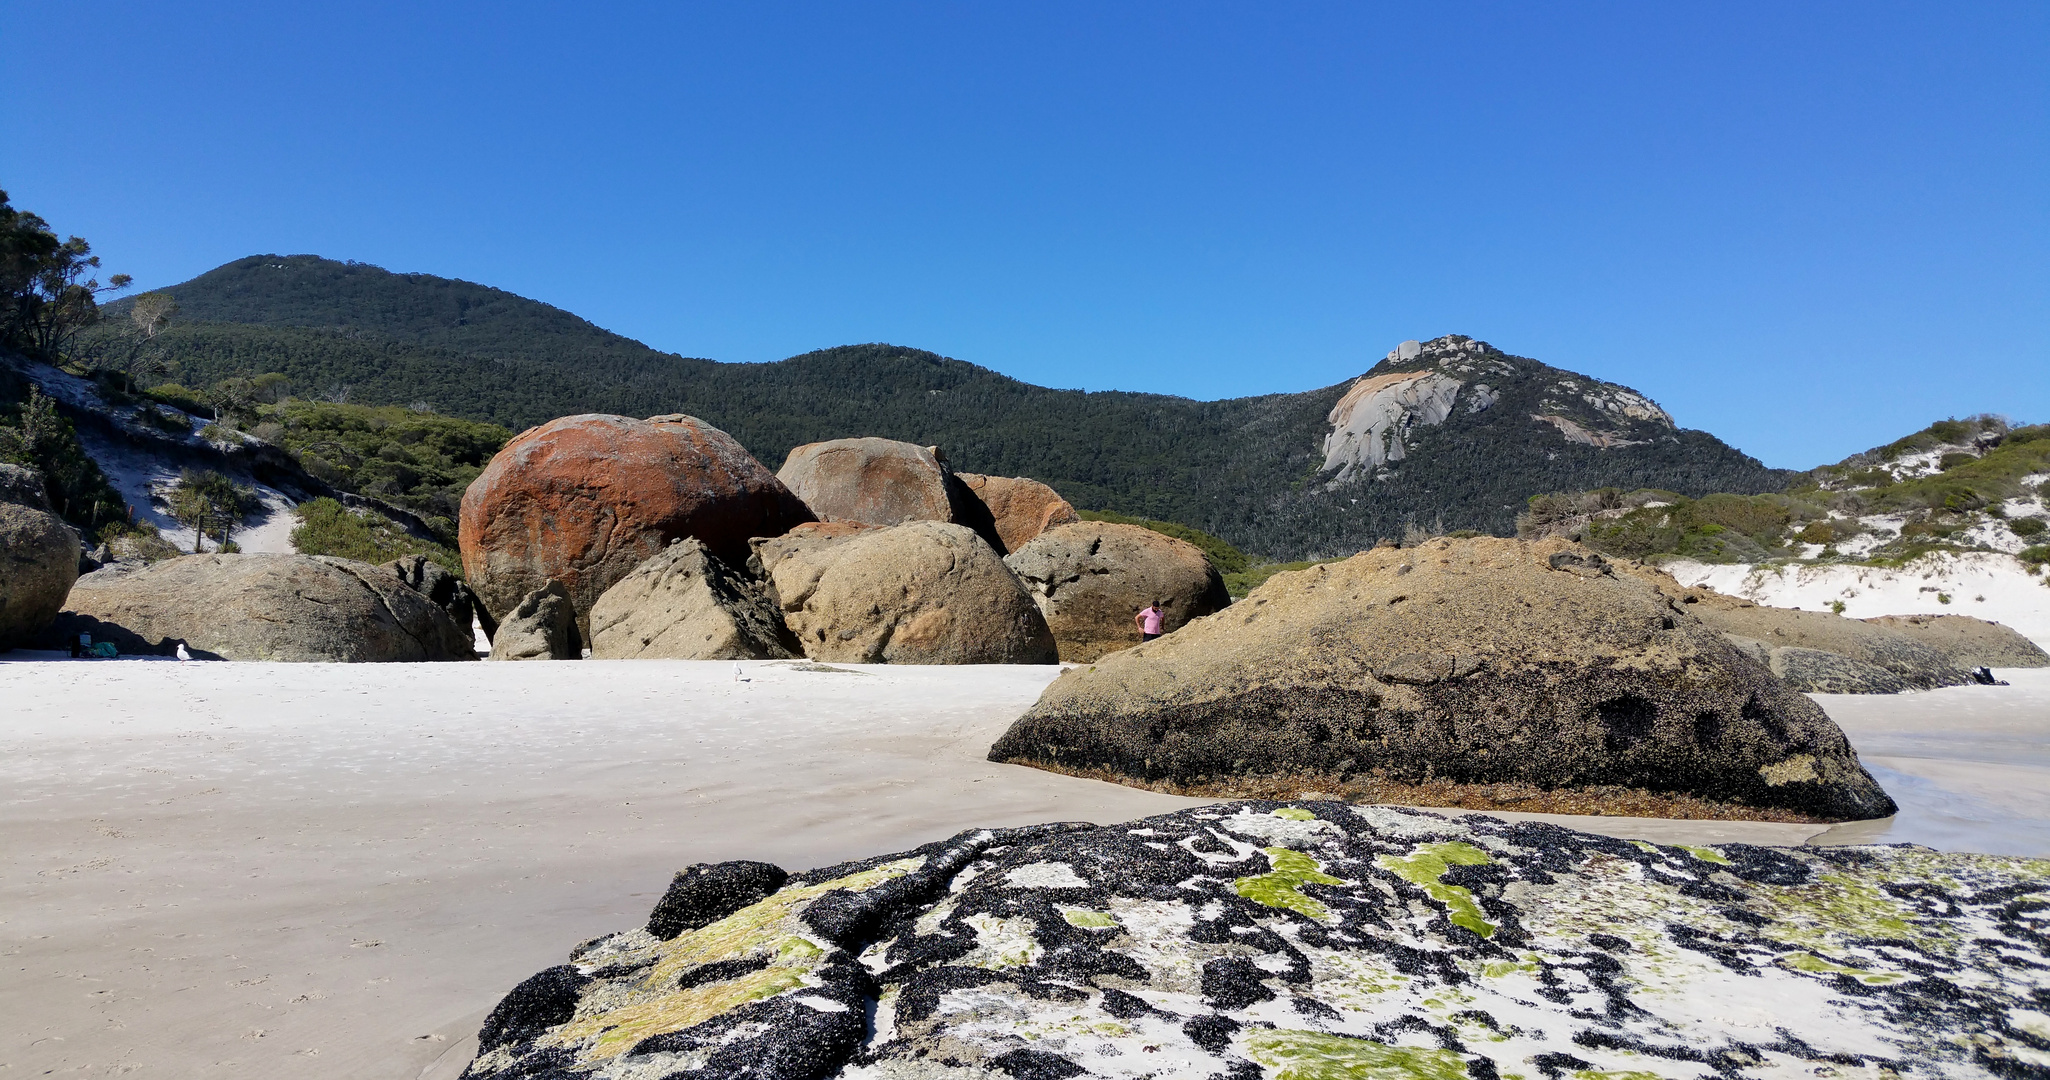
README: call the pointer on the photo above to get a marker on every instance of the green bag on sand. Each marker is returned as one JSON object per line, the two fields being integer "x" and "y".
{"x": 105, "y": 649}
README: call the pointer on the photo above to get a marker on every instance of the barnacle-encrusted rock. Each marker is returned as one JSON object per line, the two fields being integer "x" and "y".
{"x": 1315, "y": 939}
{"x": 1485, "y": 673}
{"x": 1969, "y": 642}
{"x": 1913, "y": 662}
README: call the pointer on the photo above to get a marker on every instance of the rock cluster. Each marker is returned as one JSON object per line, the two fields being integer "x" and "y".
{"x": 1091, "y": 578}
{"x": 670, "y": 542}
{"x": 310, "y": 608}
{"x": 1301, "y": 941}
{"x": 585, "y": 499}
{"x": 447, "y": 591}
{"x": 1481, "y": 672}
{"x": 38, "y": 558}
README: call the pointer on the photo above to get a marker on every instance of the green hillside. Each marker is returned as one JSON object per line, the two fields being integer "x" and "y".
{"x": 1244, "y": 469}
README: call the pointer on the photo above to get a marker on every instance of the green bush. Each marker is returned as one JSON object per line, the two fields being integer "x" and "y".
{"x": 180, "y": 397}
{"x": 416, "y": 460}
{"x": 1241, "y": 582}
{"x": 2027, "y": 526}
{"x": 1226, "y": 558}
{"x": 326, "y": 527}
{"x": 2037, "y": 555}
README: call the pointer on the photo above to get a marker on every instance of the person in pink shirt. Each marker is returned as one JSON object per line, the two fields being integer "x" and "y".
{"x": 1149, "y": 621}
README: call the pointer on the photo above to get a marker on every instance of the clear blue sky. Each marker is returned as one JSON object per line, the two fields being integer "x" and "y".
{"x": 1808, "y": 228}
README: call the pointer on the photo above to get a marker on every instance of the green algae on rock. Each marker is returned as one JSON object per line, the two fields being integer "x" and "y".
{"x": 1318, "y": 940}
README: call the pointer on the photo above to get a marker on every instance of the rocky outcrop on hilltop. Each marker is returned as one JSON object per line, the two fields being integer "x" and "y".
{"x": 686, "y": 605}
{"x": 1815, "y": 651}
{"x": 585, "y": 499}
{"x": 1485, "y": 673}
{"x": 1019, "y": 508}
{"x": 1303, "y": 941}
{"x": 38, "y": 564}
{"x": 542, "y": 626}
{"x": 307, "y": 608}
{"x": 1091, "y": 578}
{"x": 926, "y": 592}
{"x": 1421, "y": 384}
{"x": 1968, "y": 642}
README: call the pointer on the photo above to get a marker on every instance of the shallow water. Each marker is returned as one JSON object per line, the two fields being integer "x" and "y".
{"x": 1969, "y": 765}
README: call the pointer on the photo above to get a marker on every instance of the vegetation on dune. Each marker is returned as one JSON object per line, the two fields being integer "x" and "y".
{"x": 1969, "y": 469}
{"x": 416, "y": 460}
{"x": 211, "y": 505}
{"x": 326, "y": 527}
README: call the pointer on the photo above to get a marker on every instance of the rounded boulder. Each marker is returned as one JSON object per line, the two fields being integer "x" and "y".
{"x": 308, "y": 608}
{"x": 927, "y": 592}
{"x": 585, "y": 499}
{"x": 1090, "y": 579}
{"x": 38, "y": 564}
{"x": 872, "y": 481}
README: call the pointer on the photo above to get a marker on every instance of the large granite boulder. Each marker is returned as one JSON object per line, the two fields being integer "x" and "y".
{"x": 1019, "y": 508}
{"x": 585, "y": 499}
{"x": 447, "y": 591}
{"x": 307, "y": 608}
{"x": 922, "y": 593}
{"x": 1968, "y": 642}
{"x": 872, "y": 481}
{"x": 23, "y": 486}
{"x": 1913, "y": 663}
{"x": 1307, "y": 941}
{"x": 38, "y": 564}
{"x": 1091, "y": 579}
{"x": 683, "y": 604}
{"x": 542, "y": 626}
{"x": 1487, "y": 673}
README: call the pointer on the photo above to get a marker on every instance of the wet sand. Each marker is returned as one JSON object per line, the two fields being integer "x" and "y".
{"x": 334, "y": 870}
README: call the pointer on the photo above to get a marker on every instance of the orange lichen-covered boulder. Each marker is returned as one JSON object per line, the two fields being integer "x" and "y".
{"x": 586, "y": 499}
{"x": 1020, "y": 508}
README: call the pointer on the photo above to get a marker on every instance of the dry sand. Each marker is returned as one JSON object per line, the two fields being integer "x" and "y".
{"x": 334, "y": 870}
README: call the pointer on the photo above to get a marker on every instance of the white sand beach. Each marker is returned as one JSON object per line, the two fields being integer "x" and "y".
{"x": 335, "y": 870}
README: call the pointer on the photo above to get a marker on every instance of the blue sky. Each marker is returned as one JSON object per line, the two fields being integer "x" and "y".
{"x": 1808, "y": 228}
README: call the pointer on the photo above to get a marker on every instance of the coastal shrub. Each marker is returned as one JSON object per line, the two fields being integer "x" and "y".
{"x": 1241, "y": 582}
{"x": 416, "y": 460}
{"x": 1954, "y": 459}
{"x": 326, "y": 527}
{"x": 2027, "y": 526}
{"x": 2036, "y": 555}
{"x": 179, "y": 397}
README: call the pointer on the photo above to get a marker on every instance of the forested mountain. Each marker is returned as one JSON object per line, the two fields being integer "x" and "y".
{"x": 1256, "y": 471}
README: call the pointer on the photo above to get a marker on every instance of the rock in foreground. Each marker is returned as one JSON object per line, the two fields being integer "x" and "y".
{"x": 922, "y": 593}
{"x": 686, "y": 605}
{"x": 1484, "y": 673}
{"x": 307, "y": 608}
{"x": 585, "y": 499}
{"x": 1092, "y": 577}
{"x": 1307, "y": 941}
{"x": 38, "y": 563}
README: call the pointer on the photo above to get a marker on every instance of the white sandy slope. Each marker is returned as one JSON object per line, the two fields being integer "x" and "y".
{"x": 334, "y": 870}
{"x": 1983, "y": 584}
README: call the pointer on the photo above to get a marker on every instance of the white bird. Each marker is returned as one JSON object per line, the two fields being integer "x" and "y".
{"x": 182, "y": 654}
